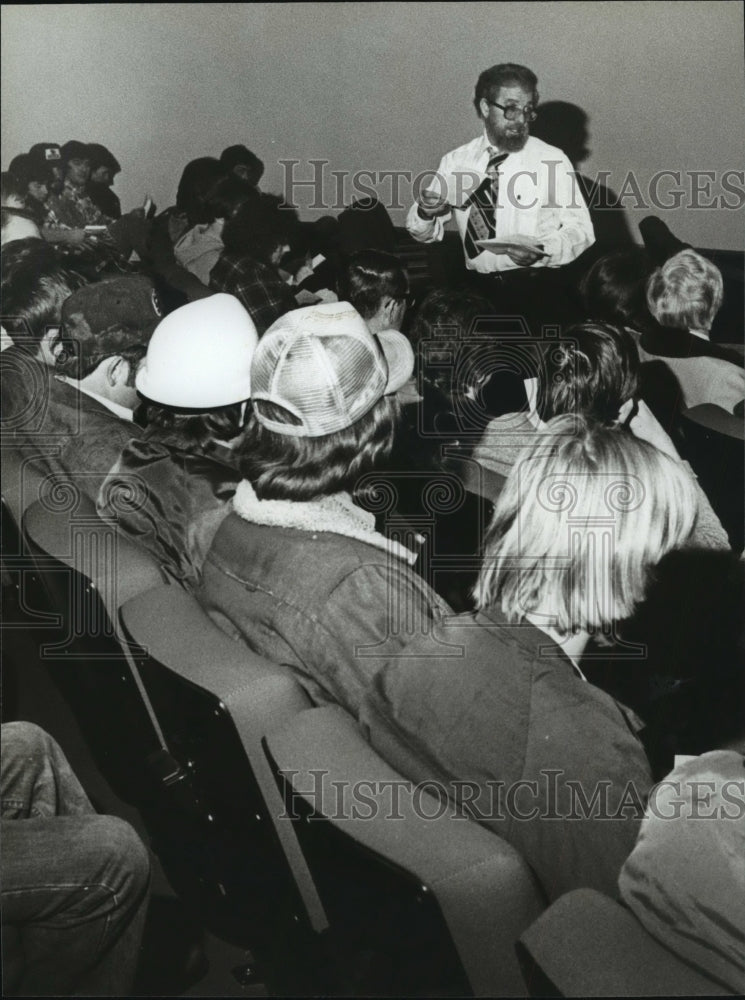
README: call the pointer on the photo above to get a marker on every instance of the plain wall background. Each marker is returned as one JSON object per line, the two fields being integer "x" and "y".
{"x": 377, "y": 86}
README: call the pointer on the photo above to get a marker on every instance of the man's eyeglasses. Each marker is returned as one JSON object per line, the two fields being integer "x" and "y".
{"x": 511, "y": 111}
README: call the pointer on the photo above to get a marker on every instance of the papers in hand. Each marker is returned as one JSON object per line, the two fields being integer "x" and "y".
{"x": 506, "y": 244}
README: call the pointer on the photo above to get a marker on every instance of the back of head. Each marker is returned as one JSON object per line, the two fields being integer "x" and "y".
{"x": 444, "y": 324}
{"x": 587, "y": 511}
{"x": 614, "y": 289}
{"x": 370, "y": 276}
{"x": 592, "y": 371}
{"x": 111, "y": 318}
{"x": 36, "y": 281}
{"x": 259, "y": 226}
{"x": 225, "y": 196}
{"x": 321, "y": 386}
{"x": 243, "y": 163}
{"x": 686, "y": 292}
{"x": 196, "y": 180}
{"x": 100, "y": 156}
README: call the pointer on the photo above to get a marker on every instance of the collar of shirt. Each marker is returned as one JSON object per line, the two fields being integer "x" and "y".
{"x": 123, "y": 412}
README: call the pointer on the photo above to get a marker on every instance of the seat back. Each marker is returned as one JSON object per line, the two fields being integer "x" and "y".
{"x": 421, "y": 899}
{"x": 366, "y": 225}
{"x": 714, "y": 447}
{"x": 82, "y": 570}
{"x": 224, "y": 845}
{"x": 588, "y": 945}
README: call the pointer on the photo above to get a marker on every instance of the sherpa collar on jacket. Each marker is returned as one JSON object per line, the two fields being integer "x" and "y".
{"x": 336, "y": 514}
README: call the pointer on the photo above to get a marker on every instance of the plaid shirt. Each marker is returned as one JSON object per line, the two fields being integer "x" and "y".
{"x": 258, "y": 286}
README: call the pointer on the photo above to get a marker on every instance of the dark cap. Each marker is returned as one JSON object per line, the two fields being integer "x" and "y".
{"x": 234, "y": 156}
{"x": 27, "y": 168}
{"x": 49, "y": 151}
{"x": 110, "y": 316}
{"x": 100, "y": 156}
{"x": 74, "y": 150}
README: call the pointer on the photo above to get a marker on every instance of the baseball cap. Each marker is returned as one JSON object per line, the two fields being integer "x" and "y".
{"x": 324, "y": 366}
{"x": 110, "y": 316}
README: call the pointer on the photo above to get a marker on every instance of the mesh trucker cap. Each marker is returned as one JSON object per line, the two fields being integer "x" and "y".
{"x": 323, "y": 366}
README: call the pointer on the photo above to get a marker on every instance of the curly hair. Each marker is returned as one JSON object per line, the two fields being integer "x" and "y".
{"x": 686, "y": 292}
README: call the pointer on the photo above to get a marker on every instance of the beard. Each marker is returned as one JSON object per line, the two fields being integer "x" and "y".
{"x": 511, "y": 141}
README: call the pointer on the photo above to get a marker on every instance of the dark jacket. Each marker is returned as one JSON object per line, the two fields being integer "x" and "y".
{"x": 535, "y": 742}
{"x": 58, "y": 428}
{"x": 169, "y": 501}
{"x": 332, "y": 605}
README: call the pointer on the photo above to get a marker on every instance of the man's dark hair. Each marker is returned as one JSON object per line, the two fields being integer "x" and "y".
{"x": 285, "y": 467}
{"x": 368, "y": 277}
{"x": 70, "y": 362}
{"x": 100, "y": 156}
{"x": 614, "y": 289}
{"x": 225, "y": 197}
{"x": 593, "y": 370}
{"x": 25, "y": 169}
{"x": 74, "y": 150}
{"x": 195, "y": 432}
{"x": 259, "y": 227}
{"x": 36, "y": 280}
{"x": 493, "y": 79}
{"x": 196, "y": 180}
{"x": 239, "y": 155}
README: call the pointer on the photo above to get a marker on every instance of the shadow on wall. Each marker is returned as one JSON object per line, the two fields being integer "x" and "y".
{"x": 565, "y": 125}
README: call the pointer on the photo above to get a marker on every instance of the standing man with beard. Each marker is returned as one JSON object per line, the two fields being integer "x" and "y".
{"x": 509, "y": 188}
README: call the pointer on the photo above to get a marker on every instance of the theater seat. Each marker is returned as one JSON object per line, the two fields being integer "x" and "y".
{"x": 714, "y": 447}
{"x": 588, "y": 945}
{"x": 222, "y": 843}
{"x": 79, "y": 571}
{"x": 421, "y": 902}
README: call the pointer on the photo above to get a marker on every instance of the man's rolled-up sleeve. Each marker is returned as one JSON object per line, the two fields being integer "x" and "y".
{"x": 565, "y": 227}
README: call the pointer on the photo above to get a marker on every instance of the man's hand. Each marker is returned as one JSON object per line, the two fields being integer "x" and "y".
{"x": 523, "y": 257}
{"x": 431, "y": 205}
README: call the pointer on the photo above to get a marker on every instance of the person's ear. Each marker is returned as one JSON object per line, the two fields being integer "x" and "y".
{"x": 117, "y": 371}
{"x": 484, "y": 107}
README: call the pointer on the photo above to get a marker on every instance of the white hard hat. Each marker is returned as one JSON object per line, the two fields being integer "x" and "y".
{"x": 199, "y": 356}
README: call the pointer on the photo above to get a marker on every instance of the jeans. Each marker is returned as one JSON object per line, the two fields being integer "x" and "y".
{"x": 74, "y": 884}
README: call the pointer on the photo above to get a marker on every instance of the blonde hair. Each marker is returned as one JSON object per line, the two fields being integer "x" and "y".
{"x": 686, "y": 292}
{"x": 586, "y": 512}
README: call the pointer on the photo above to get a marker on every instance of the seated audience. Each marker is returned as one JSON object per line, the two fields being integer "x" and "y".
{"x": 197, "y": 179}
{"x": 199, "y": 249}
{"x": 256, "y": 239}
{"x": 298, "y": 570}
{"x": 51, "y": 153}
{"x": 685, "y": 879}
{"x": 104, "y": 168}
{"x": 593, "y": 371}
{"x": 35, "y": 177}
{"x": 36, "y": 280}
{"x": 614, "y": 290}
{"x": 376, "y": 285}
{"x": 684, "y": 296}
{"x": 17, "y": 221}
{"x": 511, "y": 727}
{"x": 169, "y": 490}
{"x": 243, "y": 164}
{"x": 81, "y": 416}
{"x": 72, "y": 208}
{"x": 75, "y": 884}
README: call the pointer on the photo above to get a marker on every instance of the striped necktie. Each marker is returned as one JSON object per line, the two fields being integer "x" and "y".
{"x": 483, "y": 202}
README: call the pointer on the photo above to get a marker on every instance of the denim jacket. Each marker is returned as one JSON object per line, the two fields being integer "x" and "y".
{"x": 312, "y": 585}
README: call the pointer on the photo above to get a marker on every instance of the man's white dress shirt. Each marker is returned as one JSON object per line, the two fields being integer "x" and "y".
{"x": 539, "y": 197}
